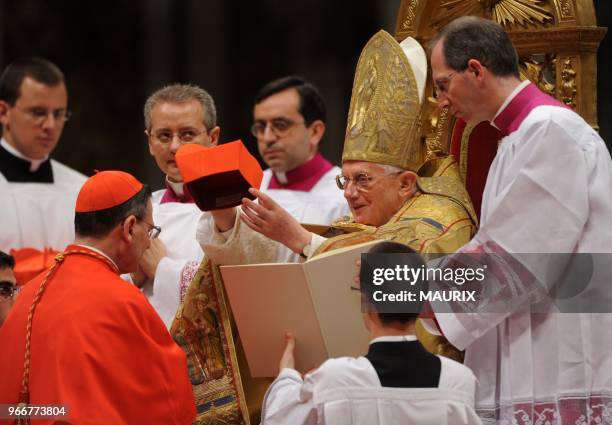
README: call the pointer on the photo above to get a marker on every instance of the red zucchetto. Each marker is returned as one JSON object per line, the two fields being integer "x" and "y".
{"x": 106, "y": 189}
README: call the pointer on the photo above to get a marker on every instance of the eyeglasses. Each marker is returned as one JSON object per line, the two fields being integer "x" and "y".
{"x": 154, "y": 231}
{"x": 7, "y": 289}
{"x": 39, "y": 115}
{"x": 184, "y": 136}
{"x": 363, "y": 181}
{"x": 279, "y": 126}
{"x": 442, "y": 84}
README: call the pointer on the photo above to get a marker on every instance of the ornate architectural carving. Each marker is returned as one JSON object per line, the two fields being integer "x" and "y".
{"x": 567, "y": 87}
{"x": 504, "y": 12}
{"x": 563, "y": 39}
{"x": 408, "y": 22}
{"x": 435, "y": 130}
{"x": 565, "y": 9}
{"x": 540, "y": 70}
{"x": 518, "y": 12}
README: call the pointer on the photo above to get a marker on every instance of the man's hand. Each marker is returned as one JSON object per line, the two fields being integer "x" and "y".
{"x": 224, "y": 218}
{"x": 270, "y": 219}
{"x": 287, "y": 360}
{"x": 151, "y": 258}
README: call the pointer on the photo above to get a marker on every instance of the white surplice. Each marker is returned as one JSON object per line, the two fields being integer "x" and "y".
{"x": 347, "y": 391}
{"x": 40, "y": 215}
{"x": 549, "y": 190}
{"x": 174, "y": 272}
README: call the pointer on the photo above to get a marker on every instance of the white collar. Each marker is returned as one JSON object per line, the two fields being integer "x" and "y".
{"x": 34, "y": 163}
{"x": 281, "y": 176}
{"x": 515, "y": 92}
{"x": 177, "y": 187}
{"x": 99, "y": 252}
{"x": 394, "y": 338}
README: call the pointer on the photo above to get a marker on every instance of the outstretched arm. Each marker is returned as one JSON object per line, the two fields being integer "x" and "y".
{"x": 268, "y": 218}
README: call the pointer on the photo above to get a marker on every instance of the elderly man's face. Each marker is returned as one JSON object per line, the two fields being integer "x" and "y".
{"x": 173, "y": 124}
{"x": 375, "y": 204}
{"x": 283, "y": 139}
{"x": 34, "y": 124}
{"x": 7, "y": 294}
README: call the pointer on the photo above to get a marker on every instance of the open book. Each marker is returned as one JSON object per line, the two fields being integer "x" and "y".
{"x": 314, "y": 300}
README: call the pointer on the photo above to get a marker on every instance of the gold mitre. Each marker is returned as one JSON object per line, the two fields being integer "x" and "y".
{"x": 384, "y": 124}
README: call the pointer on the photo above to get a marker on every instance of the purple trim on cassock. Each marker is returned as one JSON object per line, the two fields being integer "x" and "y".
{"x": 509, "y": 120}
{"x": 170, "y": 196}
{"x": 304, "y": 177}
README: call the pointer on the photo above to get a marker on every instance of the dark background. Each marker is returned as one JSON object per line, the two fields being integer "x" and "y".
{"x": 114, "y": 54}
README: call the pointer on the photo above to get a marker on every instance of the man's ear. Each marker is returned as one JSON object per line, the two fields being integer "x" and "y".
{"x": 476, "y": 68}
{"x": 317, "y": 130}
{"x": 149, "y": 142}
{"x": 408, "y": 183}
{"x": 4, "y": 108}
{"x": 128, "y": 227}
{"x": 214, "y": 135}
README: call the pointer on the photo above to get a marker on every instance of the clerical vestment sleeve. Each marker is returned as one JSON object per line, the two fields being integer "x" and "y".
{"x": 287, "y": 401}
{"x": 241, "y": 246}
{"x": 512, "y": 195}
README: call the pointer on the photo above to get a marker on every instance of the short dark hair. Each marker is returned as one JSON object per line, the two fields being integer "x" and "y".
{"x": 6, "y": 261}
{"x": 100, "y": 223}
{"x": 471, "y": 37}
{"x": 312, "y": 105}
{"x": 38, "y": 69}
{"x": 367, "y": 289}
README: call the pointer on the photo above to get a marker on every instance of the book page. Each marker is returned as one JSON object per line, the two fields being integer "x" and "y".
{"x": 268, "y": 300}
{"x": 338, "y": 307}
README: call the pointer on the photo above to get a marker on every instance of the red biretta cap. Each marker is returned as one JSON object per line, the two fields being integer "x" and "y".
{"x": 106, "y": 189}
{"x": 219, "y": 176}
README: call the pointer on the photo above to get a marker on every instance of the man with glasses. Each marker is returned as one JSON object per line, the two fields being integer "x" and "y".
{"x": 83, "y": 338}
{"x": 8, "y": 285}
{"x": 37, "y": 193}
{"x": 289, "y": 123}
{"x": 174, "y": 115}
{"x": 547, "y": 191}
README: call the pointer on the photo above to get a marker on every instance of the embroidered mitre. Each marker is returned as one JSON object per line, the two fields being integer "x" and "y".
{"x": 384, "y": 121}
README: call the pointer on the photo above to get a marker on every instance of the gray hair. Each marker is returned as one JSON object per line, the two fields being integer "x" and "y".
{"x": 391, "y": 169}
{"x": 471, "y": 37}
{"x": 182, "y": 93}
